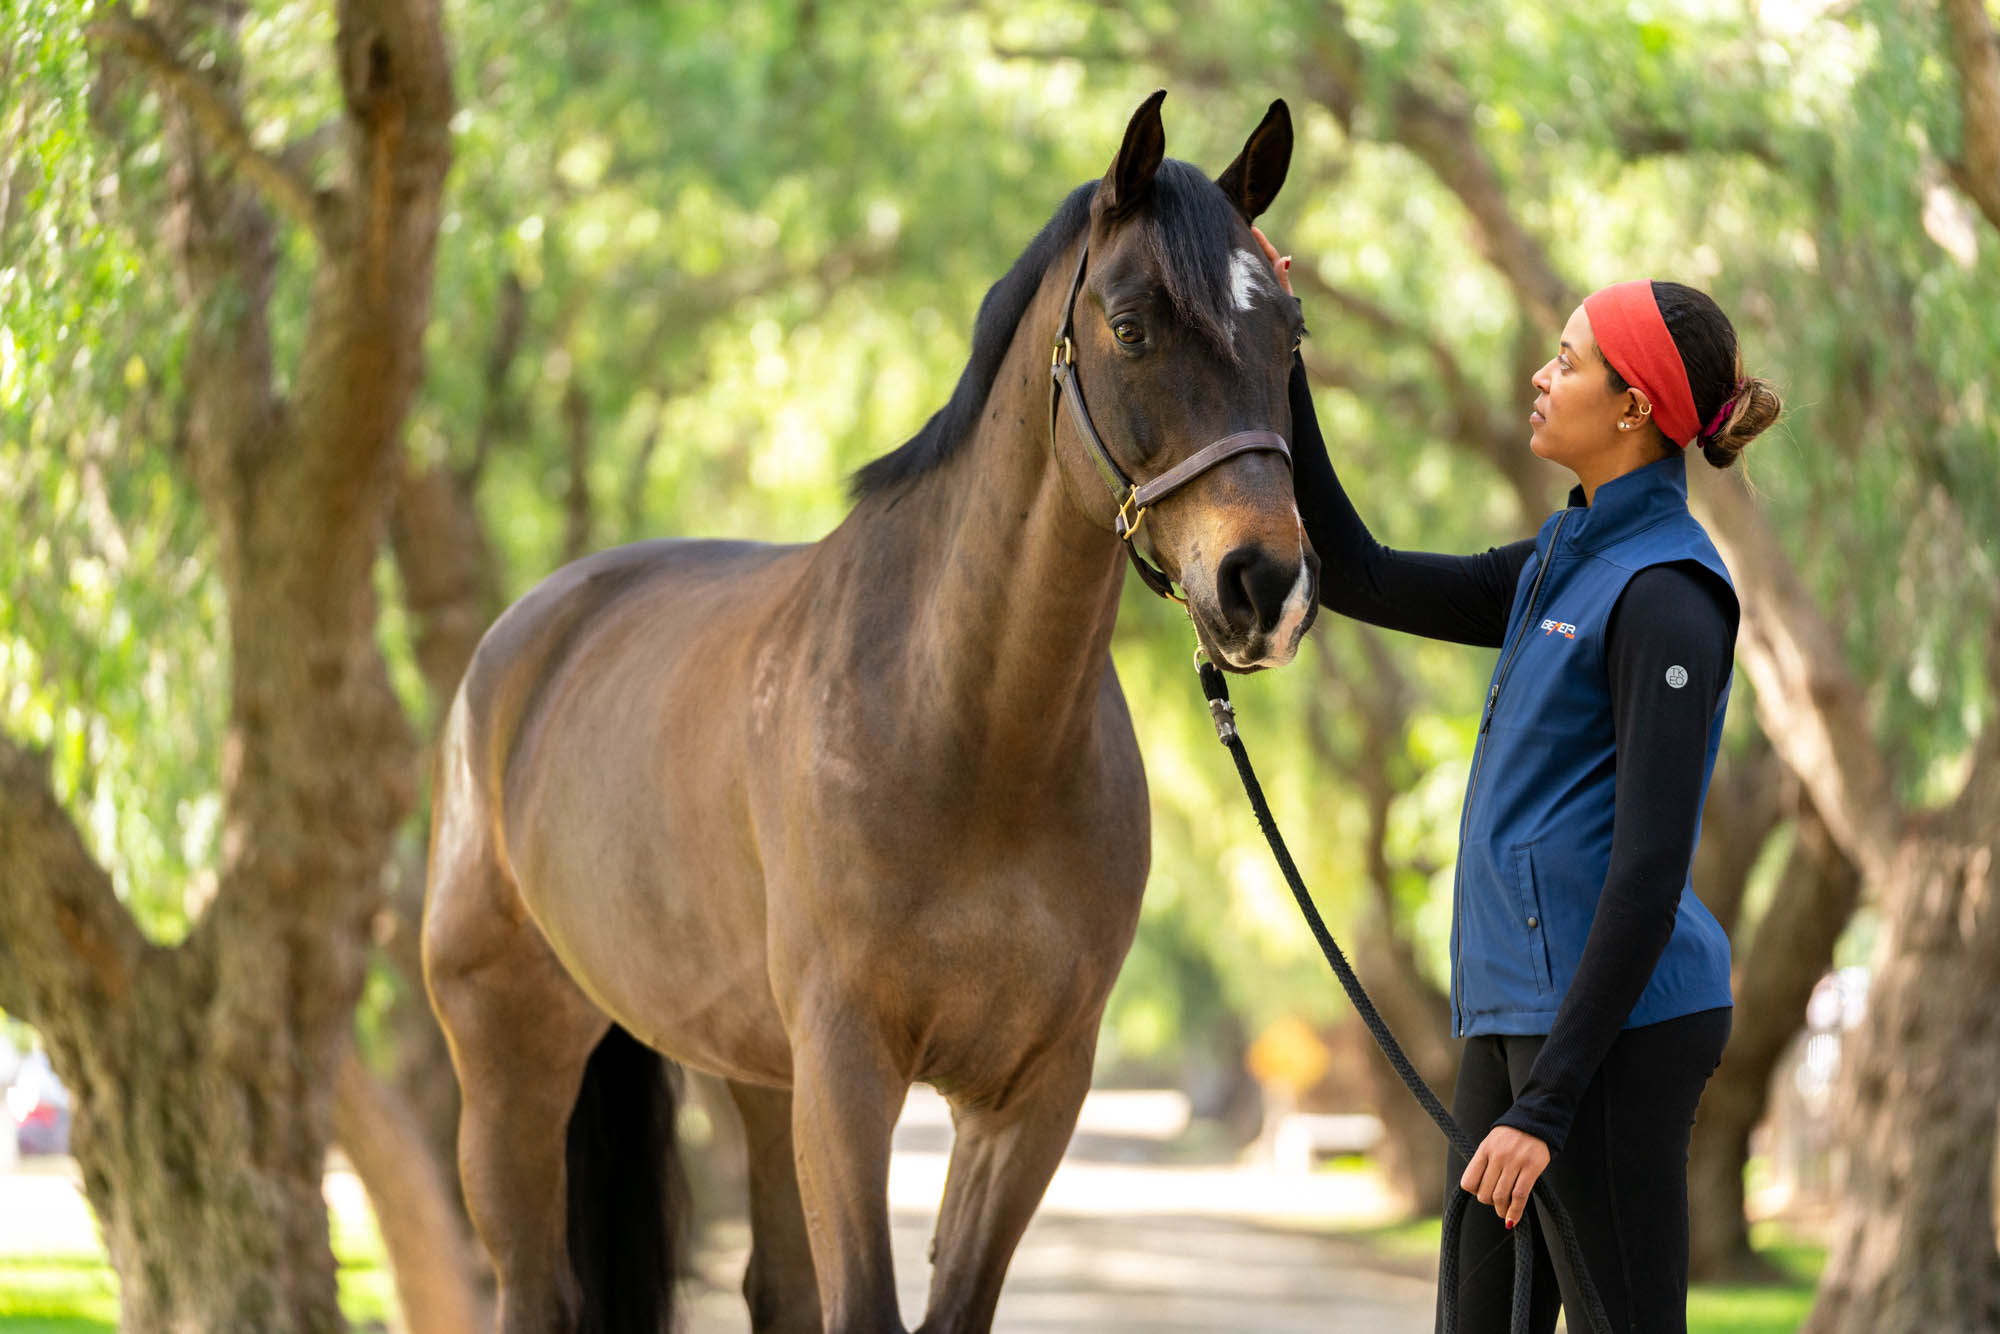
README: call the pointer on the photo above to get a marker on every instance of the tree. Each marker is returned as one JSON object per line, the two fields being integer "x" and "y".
{"x": 1788, "y": 953}
{"x": 203, "y": 1072}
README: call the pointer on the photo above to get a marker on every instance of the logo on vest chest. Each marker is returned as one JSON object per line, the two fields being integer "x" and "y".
{"x": 1555, "y": 627}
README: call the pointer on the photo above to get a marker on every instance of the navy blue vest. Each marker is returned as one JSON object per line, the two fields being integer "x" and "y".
{"x": 1535, "y": 841}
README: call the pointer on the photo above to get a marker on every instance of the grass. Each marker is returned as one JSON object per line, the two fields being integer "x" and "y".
{"x": 1713, "y": 1308}
{"x": 77, "y": 1293}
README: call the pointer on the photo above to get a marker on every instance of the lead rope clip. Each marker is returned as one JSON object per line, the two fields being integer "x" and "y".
{"x": 1220, "y": 711}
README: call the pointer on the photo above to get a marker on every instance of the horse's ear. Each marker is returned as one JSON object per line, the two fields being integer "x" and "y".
{"x": 1253, "y": 179}
{"x": 1131, "y": 174}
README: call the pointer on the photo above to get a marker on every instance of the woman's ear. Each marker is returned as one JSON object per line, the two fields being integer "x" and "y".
{"x": 1638, "y": 411}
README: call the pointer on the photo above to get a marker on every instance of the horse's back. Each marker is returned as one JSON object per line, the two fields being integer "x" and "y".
{"x": 539, "y": 637}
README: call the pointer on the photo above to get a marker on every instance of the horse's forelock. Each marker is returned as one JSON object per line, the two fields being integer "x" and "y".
{"x": 1190, "y": 232}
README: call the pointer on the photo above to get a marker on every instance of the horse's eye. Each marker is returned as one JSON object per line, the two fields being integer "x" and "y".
{"x": 1128, "y": 332}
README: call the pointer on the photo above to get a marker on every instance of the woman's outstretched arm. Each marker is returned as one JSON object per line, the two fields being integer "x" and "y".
{"x": 1461, "y": 598}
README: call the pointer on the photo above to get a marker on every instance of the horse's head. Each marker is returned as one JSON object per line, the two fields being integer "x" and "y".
{"x": 1183, "y": 338}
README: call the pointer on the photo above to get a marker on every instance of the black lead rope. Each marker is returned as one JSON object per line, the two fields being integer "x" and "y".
{"x": 1224, "y": 714}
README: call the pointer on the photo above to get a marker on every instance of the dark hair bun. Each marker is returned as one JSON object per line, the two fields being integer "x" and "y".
{"x": 1706, "y": 340}
{"x": 1757, "y": 407}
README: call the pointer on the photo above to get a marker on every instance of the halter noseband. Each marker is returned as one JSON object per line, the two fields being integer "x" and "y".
{"x": 1135, "y": 498}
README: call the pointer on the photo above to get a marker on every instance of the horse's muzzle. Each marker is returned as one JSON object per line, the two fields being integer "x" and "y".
{"x": 1262, "y": 606}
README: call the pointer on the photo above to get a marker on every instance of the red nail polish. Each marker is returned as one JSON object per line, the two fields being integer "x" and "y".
{"x": 1510, "y": 1225}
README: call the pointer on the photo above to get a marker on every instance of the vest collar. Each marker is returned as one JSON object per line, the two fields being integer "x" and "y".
{"x": 1623, "y": 506}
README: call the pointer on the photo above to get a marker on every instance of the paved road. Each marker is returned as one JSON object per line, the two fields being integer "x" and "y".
{"x": 1123, "y": 1242}
{"x": 1126, "y": 1243}
{"x": 1142, "y": 1274}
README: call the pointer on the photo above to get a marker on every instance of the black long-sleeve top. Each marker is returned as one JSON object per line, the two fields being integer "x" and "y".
{"x": 1667, "y": 615}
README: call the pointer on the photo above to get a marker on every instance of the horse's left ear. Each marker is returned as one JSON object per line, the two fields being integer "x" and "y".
{"x": 1253, "y": 179}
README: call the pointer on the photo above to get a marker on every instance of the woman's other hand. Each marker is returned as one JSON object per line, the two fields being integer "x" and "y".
{"x": 1504, "y": 1171}
{"x": 1282, "y": 264}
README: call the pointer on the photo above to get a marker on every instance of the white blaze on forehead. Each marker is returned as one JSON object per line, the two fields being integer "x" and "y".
{"x": 1248, "y": 275}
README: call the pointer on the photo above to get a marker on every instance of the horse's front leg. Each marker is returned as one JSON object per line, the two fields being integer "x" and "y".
{"x": 1001, "y": 1162}
{"x": 847, "y": 1089}
{"x": 779, "y": 1283}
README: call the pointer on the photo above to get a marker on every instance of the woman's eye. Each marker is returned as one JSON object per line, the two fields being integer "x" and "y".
{"x": 1128, "y": 332}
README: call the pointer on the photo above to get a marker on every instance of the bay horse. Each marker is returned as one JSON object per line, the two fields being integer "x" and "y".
{"x": 829, "y": 819}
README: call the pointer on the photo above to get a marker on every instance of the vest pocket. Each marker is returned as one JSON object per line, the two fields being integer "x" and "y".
{"x": 1530, "y": 922}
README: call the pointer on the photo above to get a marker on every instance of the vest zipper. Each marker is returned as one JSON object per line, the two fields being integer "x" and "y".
{"x": 1479, "y": 759}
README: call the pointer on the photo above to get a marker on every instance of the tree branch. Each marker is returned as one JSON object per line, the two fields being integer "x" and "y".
{"x": 1643, "y": 141}
{"x": 1978, "y": 804}
{"x": 1442, "y": 137}
{"x": 1975, "y": 50}
{"x": 1475, "y": 427}
{"x": 576, "y": 501}
{"x": 1808, "y": 701}
{"x": 1087, "y": 55}
{"x": 68, "y": 948}
{"x": 285, "y": 187}
{"x": 496, "y": 408}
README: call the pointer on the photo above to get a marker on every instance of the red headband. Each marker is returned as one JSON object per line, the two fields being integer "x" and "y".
{"x": 1633, "y": 338}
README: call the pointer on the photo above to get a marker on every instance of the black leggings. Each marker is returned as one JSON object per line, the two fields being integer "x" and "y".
{"x": 1622, "y": 1175}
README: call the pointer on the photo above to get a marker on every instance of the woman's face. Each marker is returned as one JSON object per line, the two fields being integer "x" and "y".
{"x": 1578, "y": 420}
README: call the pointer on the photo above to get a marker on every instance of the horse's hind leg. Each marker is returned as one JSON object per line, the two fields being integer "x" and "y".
{"x": 779, "y": 1283}
{"x": 521, "y": 1033}
{"x": 1001, "y": 1161}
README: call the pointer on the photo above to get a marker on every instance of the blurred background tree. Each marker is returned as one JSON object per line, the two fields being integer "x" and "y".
{"x": 695, "y": 263}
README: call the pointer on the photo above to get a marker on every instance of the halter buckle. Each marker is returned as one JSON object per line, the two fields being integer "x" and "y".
{"x": 1065, "y": 354}
{"x": 1130, "y": 514}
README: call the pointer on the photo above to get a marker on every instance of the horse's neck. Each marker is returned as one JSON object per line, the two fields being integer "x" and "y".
{"x": 1012, "y": 628}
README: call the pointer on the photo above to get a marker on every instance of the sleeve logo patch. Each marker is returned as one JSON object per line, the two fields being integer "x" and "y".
{"x": 1677, "y": 676}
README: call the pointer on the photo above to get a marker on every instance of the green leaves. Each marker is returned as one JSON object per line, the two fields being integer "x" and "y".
{"x": 711, "y": 257}
{"x": 112, "y": 655}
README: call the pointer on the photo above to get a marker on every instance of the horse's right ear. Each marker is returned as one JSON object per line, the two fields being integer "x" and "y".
{"x": 1131, "y": 174}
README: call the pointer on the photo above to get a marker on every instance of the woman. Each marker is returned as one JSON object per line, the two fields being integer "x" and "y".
{"x": 1590, "y": 984}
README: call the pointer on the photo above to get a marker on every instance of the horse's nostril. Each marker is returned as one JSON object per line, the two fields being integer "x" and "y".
{"x": 1252, "y": 589}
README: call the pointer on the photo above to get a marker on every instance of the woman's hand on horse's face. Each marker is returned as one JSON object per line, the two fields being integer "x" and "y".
{"x": 1281, "y": 263}
{"x": 1504, "y": 1171}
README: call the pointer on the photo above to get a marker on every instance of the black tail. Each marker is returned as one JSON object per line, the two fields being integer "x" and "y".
{"x": 626, "y": 1200}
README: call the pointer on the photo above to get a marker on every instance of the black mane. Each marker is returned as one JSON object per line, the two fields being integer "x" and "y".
{"x": 1189, "y": 227}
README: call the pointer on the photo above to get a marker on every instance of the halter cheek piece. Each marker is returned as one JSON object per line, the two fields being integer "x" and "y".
{"x": 1135, "y": 498}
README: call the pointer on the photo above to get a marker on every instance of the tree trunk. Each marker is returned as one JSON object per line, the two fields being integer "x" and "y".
{"x": 1746, "y": 801}
{"x": 1975, "y": 50}
{"x": 1792, "y": 949}
{"x": 1914, "y": 1248}
{"x": 203, "y": 1074}
{"x": 416, "y": 1206}
{"x": 451, "y": 587}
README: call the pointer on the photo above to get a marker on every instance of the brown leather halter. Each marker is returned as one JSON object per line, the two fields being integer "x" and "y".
{"x": 1135, "y": 498}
